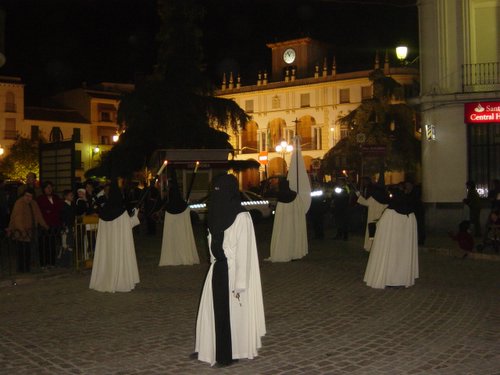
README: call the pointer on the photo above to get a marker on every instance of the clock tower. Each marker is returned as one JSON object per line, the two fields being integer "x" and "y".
{"x": 299, "y": 54}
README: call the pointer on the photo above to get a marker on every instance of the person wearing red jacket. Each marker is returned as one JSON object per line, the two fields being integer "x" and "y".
{"x": 50, "y": 206}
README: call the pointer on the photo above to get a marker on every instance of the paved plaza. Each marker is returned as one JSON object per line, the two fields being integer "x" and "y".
{"x": 321, "y": 318}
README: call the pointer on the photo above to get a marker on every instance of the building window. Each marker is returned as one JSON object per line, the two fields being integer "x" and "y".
{"x": 366, "y": 92}
{"x": 484, "y": 154}
{"x": 317, "y": 138}
{"x": 105, "y": 140}
{"x": 10, "y": 128}
{"x": 249, "y": 106}
{"x": 10, "y": 102}
{"x": 77, "y": 137}
{"x": 35, "y": 132}
{"x": 305, "y": 100}
{"x": 344, "y": 96}
{"x": 276, "y": 102}
{"x": 105, "y": 117}
{"x": 344, "y": 132}
{"x": 106, "y": 112}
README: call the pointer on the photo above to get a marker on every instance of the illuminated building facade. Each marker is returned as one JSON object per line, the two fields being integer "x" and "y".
{"x": 459, "y": 103}
{"x": 304, "y": 95}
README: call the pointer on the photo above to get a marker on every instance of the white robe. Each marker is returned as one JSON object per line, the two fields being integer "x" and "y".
{"x": 246, "y": 314}
{"x": 114, "y": 267}
{"x": 289, "y": 238}
{"x": 375, "y": 210}
{"x": 178, "y": 246}
{"x": 393, "y": 257}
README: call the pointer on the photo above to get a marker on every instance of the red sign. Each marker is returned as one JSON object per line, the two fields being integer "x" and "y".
{"x": 482, "y": 112}
{"x": 263, "y": 157}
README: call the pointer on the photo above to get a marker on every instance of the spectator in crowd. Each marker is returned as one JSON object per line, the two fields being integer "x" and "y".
{"x": 30, "y": 183}
{"x": 91, "y": 196}
{"x": 82, "y": 206}
{"x": 68, "y": 215}
{"x": 50, "y": 206}
{"x": 23, "y": 228}
{"x": 340, "y": 209}
{"x": 494, "y": 194}
{"x": 464, "y": 238}
{"x": 317, "y": 211}
{"x": 4, "y": 206}
{"x": 473, "y": 202}
{"x": 151, "y": 204}
{"x": 102, "y": 198}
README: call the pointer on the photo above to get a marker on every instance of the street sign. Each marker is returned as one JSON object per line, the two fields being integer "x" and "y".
{"x": 263, "y": 157}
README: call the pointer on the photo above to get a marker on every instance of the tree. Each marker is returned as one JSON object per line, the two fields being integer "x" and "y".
{"x": 174, "y": 108}
{"x": 21, "y": 159}
{"x": 381, "y": 133}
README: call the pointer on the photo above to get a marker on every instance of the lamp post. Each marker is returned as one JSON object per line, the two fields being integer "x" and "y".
{"x": 283, "y": 147}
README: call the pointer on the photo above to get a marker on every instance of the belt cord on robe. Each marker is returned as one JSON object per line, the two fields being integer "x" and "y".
{"x": 220, "y": 291}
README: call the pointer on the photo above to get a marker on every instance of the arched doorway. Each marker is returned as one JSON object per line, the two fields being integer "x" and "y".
{"x": 304, "y": 129}
{"x": 250, "y": 178}
{"x": 307, "y": 162}
{"x": 276, "y": 167}
{"x": 276, "y": 132}
{"x": 249, "y": 138}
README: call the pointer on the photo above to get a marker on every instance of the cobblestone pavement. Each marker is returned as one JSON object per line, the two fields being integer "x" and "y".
{"x": 321, "y": 318}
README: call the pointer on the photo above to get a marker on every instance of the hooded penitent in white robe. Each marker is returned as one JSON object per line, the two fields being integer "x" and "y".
{"x": 289, "y": 238}
{"x": 375, "y": 210}
{"x": 178, "y": 246}
{"x": 393, "y": 257}
{"x": 114, "y": 266}
{"x": 247, "y": 320}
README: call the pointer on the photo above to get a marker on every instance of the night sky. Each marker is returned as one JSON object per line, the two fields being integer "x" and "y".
{"x": 58, "y": 44}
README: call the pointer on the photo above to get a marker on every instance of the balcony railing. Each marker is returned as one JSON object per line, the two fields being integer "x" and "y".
{"x": 10, "y": 134}
{"x": 481, "y": 77}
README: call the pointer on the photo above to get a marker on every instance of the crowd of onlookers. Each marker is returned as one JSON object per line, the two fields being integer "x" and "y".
{"x": 42, "y": 224}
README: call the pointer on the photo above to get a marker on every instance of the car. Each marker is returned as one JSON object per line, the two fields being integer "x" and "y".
{"x": 259, "y": 207}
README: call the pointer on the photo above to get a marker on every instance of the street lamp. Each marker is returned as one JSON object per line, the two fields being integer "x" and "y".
{"x": 2, "y": 150}
{"x": 116, "y": 137}
{"x": 401, "y": 53}
{"x": 283, "y": 147}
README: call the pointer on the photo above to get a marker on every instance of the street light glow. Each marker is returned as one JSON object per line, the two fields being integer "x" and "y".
{"x": 401, "y": 52}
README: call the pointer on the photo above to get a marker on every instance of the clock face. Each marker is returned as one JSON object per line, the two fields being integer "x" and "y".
{"x": 289, "y": 56}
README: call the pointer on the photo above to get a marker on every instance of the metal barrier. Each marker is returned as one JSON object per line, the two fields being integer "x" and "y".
{"x": 23, "y": 252}
{"x": 85, "y": 237}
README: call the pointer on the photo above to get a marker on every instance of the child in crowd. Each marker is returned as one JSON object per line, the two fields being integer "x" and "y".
{"x": 464, "y": 238}
{"x": 68, "y": 213}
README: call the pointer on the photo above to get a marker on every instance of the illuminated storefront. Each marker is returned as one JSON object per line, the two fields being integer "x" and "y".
{"x": 483, "y": 136}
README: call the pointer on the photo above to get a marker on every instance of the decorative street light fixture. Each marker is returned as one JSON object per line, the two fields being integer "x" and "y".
{"x": 2, "y": 150}
{"x": 402, "y": 53}
{"x": 116, "y": 137}
{"x": 283, "y": 148}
